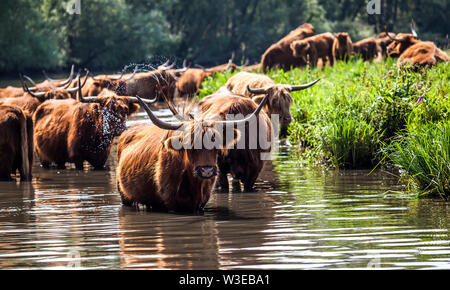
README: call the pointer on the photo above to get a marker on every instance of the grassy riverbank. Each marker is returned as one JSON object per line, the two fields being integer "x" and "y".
{"x": 361, "y": 115}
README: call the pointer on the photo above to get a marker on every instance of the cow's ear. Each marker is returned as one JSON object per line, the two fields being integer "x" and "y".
{"x": 133, "y": 108}
{"x": 174, "y": 143}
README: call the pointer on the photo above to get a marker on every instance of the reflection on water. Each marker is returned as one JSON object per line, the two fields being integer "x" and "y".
{"x": 300, "y": 218}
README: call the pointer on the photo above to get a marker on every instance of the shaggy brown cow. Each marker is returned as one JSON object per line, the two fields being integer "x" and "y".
{"x": 150, "y": 84}
{"x": 29, "y": 101}
{"x": 16, "y": 143}
{"x": 279, "y": 55}
{"x": 415, "y": 52}
{"x": 191, "y": 80}
{"x": 259, "y": 85}
{"x": 153, "y": 170}
{"x": 342, "y": 46}
{"x": 80, "y": 130}
{"x": 243, "y": 164}
{"x": 94, "y": 85}
{"x": 314, "y": 47}
{"x": 367, "y": 48}
{"x": 12, "y": 92}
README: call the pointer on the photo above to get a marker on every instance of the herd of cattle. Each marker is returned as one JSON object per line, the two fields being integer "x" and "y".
{"x": 76, "y": 120}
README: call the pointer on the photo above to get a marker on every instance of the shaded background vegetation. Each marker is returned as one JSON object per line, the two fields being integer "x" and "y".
{"x": 36, "y": 34}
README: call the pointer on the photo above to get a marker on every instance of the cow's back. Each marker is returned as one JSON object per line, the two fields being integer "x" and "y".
{"x": 52, "y": 121}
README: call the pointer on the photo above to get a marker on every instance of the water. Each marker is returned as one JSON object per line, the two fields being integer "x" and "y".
{"x": 300, "y": 218}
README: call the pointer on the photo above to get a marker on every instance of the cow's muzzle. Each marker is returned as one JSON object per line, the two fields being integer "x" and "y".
{"x": 205, "y": 171}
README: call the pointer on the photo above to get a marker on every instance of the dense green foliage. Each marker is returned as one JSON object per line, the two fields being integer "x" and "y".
{"x": 38, "y": 34}
{"x": 425, "y": 156}
{"x": 353, "y": 115}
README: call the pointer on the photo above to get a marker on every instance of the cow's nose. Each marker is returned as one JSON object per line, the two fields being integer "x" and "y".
{"x": 207, "y": 171}
{"x": 287, "y": 119}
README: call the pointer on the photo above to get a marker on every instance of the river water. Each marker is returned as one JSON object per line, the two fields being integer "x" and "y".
{"x": 300, "y": 218}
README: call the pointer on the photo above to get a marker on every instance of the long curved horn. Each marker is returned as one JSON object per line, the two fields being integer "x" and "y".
{"x": 413, "y": 30}
{"x": 257, "y": 91}
{"x": 26, "y": 89}
{"x": 62, "y": 83}
{"x": 302, "y": 87}
{"x": 72, "y": 90}
{"x": 164, "y": 67}
{"x": 70, "y": 82}
{"x": 185, "y": 68}
{"x": 158, "y": 122}
{"x": 230, "y": 61}
{"x": 254, "y": 114}
{"x": 136, "y": 101}
{"x": 134, "y": 73}
{"x": 121, "y": 74}
{"x": 390, "y": 37}
{"x": 29, "y": 79}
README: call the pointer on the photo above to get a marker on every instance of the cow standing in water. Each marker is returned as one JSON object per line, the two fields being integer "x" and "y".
{"x": 80, "y": 130}
{"x": 245, "y": 162}
{"x": 16, "y": 143}
{"x": 160, "y": 167}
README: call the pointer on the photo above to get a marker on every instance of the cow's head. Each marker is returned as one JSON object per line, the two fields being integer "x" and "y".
{"x": 201, "y": 140}
{"x": 279, "y": 99}
{"x": 112, "y": 109}
{"x": 115, "y": 83}
{"x": 400, "y": 43}
{"x": 300, "y": 48}
{"x": 343, "y": 38}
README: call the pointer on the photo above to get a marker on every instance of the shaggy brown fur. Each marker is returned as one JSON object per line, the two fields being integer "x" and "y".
{"x": 314, "y": 47}
{"x": 279, "y": 101}
{"x": 16, "y": 143}
{"x": 279, "y": 55}
{"x": 11, "y": 92}
{"x": 93, "y": 87}
{"x": 243, "y": 164}
{"x": 367, "y": 48}
{"x": 152, "y": 172}
{"x": 396, "y": 48}
{"x": 342, "y": 46}
{"x": 415, "y": 52}
{"x": 71, "y": 131}
{"x": 191, "y": 80}
{"x": 150, "y": 84}
{"x": 29, "y": 103}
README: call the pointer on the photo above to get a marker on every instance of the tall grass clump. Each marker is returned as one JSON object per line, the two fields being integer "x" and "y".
{"x": 424, "y": 156}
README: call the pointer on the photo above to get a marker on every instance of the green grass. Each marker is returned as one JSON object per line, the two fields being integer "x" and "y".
{"x": 358, "y": 109}
{"x": 424, "y": 156}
